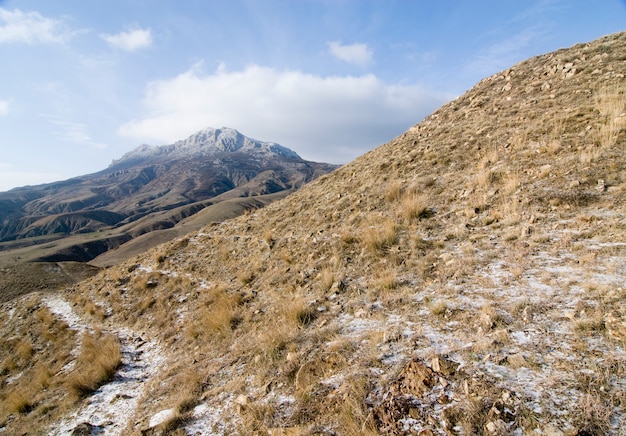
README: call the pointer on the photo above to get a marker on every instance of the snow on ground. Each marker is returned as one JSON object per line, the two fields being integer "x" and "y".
{"x": 108, "y": 409}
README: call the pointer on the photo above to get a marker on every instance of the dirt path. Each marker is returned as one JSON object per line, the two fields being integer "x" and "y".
{"x": 109, "y": 409}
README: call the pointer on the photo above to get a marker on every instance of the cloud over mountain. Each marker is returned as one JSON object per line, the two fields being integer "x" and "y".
{"x": 318, "y": 114}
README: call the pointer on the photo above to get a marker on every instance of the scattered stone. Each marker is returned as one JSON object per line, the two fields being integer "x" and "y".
{"x": 242, "y": 400}
{"x": 393, "y": 334}
{"x": 601, "y": 186}
{"x": 84, "y": 429}
{"x": 516, "y": 361}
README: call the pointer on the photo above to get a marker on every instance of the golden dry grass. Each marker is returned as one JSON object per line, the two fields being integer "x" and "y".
{"x": 100, "y": 355}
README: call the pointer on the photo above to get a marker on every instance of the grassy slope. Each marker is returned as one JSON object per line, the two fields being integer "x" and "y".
{"x": 467, "y": 277}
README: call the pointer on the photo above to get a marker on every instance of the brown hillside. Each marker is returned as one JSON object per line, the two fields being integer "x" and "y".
{"x": 465, "y": 278}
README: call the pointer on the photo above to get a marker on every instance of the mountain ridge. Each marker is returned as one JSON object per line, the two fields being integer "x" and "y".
{"x": 208, "y": 141}
{"x": 150, "y": 189}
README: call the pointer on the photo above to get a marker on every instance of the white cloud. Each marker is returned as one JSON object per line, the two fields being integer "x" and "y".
{"x": 357, "y": 54}
{"x": 31, "y": 28}
{"x": 331, "y": 119}
{"x": 130, "y": 40}
{"x": 4, "y": 108}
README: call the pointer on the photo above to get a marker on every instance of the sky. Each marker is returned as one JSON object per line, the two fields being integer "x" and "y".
{"x": 84, "y": 81}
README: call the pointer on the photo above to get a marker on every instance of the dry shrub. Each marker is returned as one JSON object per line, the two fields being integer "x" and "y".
{"x": 100, "y": 356}
{"x": 394, "y": 192}
{"x": 94, "y": 310}
{"x": 386, "y": 279}
{"x": 217, "y": 318}
{"x": 611, "y": 103}
{"x": 223, "y": 315}
{"x": 23, "y": 350}
{"x": 379, "y": 234}
{"x": 589, "y": 324}
{"x": 18, "y": 401}
{"x": 245, "y": 276}
{"x": 298, "y": 313}
{"x": 354, "y": 418}
{"x": 45, "y": 316}
{"x": 594, "y": 416}
{"x": 510, "y": 183}
{"x": 415, "y": 206}
{"x": 327, "y": 278}
{"x": 438, "y": 308}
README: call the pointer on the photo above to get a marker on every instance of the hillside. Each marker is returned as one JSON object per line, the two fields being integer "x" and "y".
{"x": 156, "y": 193}
{"x": 465, "y": 278}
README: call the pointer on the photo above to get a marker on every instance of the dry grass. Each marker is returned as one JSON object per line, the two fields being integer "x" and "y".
{"x": 611, "y": 103}
{"x": 100, "y": 356}
{"x": 415, "y": 206}
{"x": 379, "y": 234}
{"x": 438, "y": 307}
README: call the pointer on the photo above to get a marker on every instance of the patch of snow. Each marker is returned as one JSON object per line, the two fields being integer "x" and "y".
{"x": 63, "y": 309}
{"x": 216, "y": 418}
{"x": 522, "y": 338}
{"x": 113, "y": 404}
{"x": 161, "y": 417}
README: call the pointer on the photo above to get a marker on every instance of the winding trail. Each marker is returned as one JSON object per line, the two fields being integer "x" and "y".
{"x": 110, "y": 409}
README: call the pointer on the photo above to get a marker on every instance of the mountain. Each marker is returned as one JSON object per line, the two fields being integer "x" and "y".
{"x": 154, "y": 192}
{"x": 467, "y": 277}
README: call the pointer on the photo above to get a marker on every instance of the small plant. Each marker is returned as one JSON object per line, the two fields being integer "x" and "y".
{"x": 394, "y": 192}
{"x": 379, "y": 236}
{"x": 268, "y": 237}
{"x": 438, "y": 307}
{"x": 245, "y": 276}
{"x": 326, "y": 278}
{"x": 387, "y": 279}
{"x": 611, "y": 103}
{"x": 100, "y": 356}
{"x": 415, "y": 206}
{"x": 17, "y": 402}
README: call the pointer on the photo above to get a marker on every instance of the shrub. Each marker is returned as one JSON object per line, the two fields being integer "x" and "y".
{"x": 99, "y": 358}
{"x": 380, "y": 235}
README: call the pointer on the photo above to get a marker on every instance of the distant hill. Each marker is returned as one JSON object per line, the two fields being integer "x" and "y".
{"x": 153, "y": 192}
{"x": 149, "y": 196}
{"x": 467, "y": 277}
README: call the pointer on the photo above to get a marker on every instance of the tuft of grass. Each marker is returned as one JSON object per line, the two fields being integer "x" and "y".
{"x": 18, "y": 401}
{"x": 100, "y": 356}
{"x": 610, "y": 101}
{"x": 327, "y": 278}
{"x": 245, "y": 276}
{"x": 414, "y": 206}
{"x": 379, "y": 236}
{"x": 438, "y": 307}
{"x": 394, "y": 192}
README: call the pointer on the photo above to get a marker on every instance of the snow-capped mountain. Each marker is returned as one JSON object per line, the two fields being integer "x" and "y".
{"x": 155, "y": 187}
{"x": 209, "y": 142}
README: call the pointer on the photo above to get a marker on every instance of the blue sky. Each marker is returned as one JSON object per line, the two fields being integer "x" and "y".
{"x": 84, "y": 81}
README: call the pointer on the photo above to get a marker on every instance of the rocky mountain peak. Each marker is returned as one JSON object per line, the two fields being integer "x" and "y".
{"x": 208, "y": 142}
